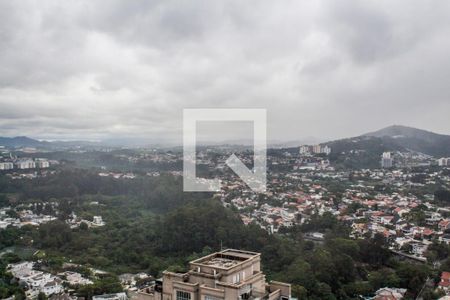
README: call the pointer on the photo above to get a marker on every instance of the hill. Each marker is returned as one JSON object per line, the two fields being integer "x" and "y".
{"x": 360, "y": 152}
{"x": 365, "y": 151}
{"x": 414, "y": 139}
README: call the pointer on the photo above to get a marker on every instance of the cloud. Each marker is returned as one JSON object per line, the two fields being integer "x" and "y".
{"x": 102, "y": 69}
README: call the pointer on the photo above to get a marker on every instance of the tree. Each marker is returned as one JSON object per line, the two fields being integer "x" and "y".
{"x": 382, "y": 278}
{"x": 84, "y": 226}
{"x": 442, "y": 196}
{"x": 42, "y": 296}
{"x": 3, "y": 200}
{"x": 300, "y": 292}
{"x": 374, "y": 250}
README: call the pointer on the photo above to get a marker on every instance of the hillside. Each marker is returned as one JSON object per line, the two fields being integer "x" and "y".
{"x": 361, "y": 152}
{"x": 364, "y": 151}
{"x": 414, "y": 139}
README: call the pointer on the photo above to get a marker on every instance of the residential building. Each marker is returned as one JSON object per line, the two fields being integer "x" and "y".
{"x": 386, "y": 160}
{"x": 444, "y": 284}
{"x": 444, "y": 225}
{"x": 6, "y": 166}
{"x": 317, "y": 149}
{"x": 326, "y": 150}
{"x": 42, "y": 163}
{"x": 25, "y": 164}
{"x": 443, "y": 162}
{"x": 304, "y": 150}
{"x": 117, "y": 296}
{"x": 74, "y": 278}
{"x": 389, "y": 293}
{"x": 98, "y": 221}
{"x": 229, "y": 274}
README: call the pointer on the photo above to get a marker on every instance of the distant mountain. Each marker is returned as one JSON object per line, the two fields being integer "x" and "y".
{"x": 414, "y": 139}
{"x": 23, "y": 141}
{"x": 20, "y": 141}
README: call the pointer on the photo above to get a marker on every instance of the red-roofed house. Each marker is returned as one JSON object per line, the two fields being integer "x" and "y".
{"x": 444, "y": 225}
{"x": 427, "y": 233}
{"x": 444, "y": 284}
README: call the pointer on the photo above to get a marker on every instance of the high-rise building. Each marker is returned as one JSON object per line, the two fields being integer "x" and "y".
{"x": 6, "y": 165}
{"x": 304, "y": 149}
{"x": 317, "y": 149}
{"x": 229, "y": 274}
{"x": 25, "y": 164}
{"x": 326, "y": 150}
{"x": 42, "y": 163}
{"x": 442, "y": 162}
{"x": 386, "y": 160}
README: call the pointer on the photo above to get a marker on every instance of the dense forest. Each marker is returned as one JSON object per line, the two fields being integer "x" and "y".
{"x": 151, "y": 225}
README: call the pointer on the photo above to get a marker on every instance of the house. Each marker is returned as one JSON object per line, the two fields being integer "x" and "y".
{"x": 98, "y": 221}
{"x": 117, "y": 296}
{"x": 64, "y": 296}
{"x": 389, "y": 294}
{"x": 444, "y": 284}
{"x": 445, "y": 239}
{"x": 36, "y": 281}
{"x": 419, "y": 247}
{"x": 52, "y": 287}
{"x": 74, "y": 278}
{"x": 444, "y": 225}
{"x": 427, "y": 233}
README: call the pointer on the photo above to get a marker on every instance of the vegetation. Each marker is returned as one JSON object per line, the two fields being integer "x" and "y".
{"x": 151, "y": 226}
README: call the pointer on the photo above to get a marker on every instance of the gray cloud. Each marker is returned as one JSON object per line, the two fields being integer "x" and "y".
{"x": 100, "y": 69}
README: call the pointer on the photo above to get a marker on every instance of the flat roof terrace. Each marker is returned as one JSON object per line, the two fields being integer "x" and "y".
{"x": 226, "y": 259}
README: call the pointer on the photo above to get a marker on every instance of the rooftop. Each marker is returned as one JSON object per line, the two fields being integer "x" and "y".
{"x": 226, "y": 259}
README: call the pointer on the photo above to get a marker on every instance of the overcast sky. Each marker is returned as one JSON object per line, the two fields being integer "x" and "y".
{"x": 328, "y": 69}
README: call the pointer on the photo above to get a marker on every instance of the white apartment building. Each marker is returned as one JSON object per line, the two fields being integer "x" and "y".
{"x": 304, "y": 149}
{"x": 442, "y": 162}
{"x": 98, "y": 221}
{"x": 386, "y": 160}
{"x": 25, "y": 164}
{"x": 6, "y": 166}
{"x": 42, "y": 163}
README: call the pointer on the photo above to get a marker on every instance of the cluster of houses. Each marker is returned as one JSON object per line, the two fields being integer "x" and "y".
{"x": 24, "y": 217}
{"x": 60, "y": 286}
{"x": 408, "y": 222}
{"x": 117, "y": 175}
{"x": 57, "y": 286}
{"x": 36, "y": 281}
{"x": 74, "y": 221}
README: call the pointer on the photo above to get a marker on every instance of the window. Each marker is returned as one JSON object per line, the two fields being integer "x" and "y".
{"x": 183, "y": 295}
{"x": 207, "y": 297}
{"x": 237, "y": 278}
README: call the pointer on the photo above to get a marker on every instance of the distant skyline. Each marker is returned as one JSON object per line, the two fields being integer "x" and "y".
{"x": 96, "y": 70}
